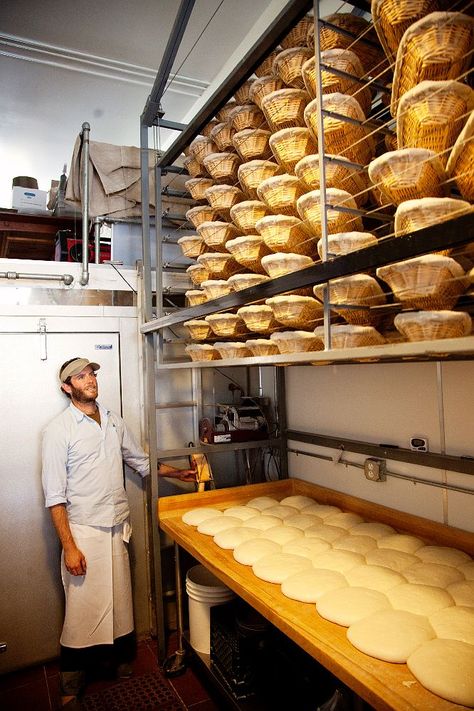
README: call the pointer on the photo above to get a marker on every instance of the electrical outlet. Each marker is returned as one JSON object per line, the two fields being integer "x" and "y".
{"x": 374, "y": 469}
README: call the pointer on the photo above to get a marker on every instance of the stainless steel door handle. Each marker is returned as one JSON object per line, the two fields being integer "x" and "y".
{"x": 3, "y": 647}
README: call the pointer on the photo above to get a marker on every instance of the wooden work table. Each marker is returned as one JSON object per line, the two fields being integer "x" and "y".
{"x": 383, "y": 685}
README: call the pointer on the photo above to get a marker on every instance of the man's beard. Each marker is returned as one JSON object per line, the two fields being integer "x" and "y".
{"x": 82, "y": 397}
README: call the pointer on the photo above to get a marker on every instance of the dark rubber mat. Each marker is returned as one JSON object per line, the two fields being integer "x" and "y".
{"x": 146, "y": 692}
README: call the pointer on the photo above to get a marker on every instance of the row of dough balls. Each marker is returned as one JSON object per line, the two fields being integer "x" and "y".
{"x": 401, "y": 599}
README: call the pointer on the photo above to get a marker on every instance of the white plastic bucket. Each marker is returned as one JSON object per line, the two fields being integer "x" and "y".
{"x": 204, "y": 591}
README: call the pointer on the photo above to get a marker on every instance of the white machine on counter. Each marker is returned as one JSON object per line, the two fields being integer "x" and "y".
{"x": 242, "y": 422}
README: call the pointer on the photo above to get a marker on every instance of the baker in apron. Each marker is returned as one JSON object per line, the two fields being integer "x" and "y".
{"x": 83, "y": 453}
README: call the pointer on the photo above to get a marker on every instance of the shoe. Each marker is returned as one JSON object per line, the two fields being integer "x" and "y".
{"x": 73, "y": 705}
{"x": 124, "y": 671}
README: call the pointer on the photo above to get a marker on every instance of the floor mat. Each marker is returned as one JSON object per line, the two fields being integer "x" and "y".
{"x": 148, "y": 691}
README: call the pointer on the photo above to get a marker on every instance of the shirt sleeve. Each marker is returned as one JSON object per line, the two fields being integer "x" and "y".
{"x": 133, "y": 454}
{"x": 54, "y": 466}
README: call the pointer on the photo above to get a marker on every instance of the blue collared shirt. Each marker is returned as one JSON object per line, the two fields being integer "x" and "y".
{"x": 83, "y": 466}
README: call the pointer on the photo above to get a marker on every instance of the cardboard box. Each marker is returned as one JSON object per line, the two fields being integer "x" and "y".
{"x": 29, "y": 200}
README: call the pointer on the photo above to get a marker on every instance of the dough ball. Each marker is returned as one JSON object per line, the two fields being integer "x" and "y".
{"x": 454, "y": 623}
{"x": 242, "y": 512}
{"x": 346, "y": 605}
{"x": 390, "y": 635}
{"x": 357, "y": 544}
{"x": 341, "y": 561}
{"x": 194, "y": 517}
{"x": 282, "y": 534}
{"x": 310, "y": 585}
{"x": 261, "y": 502}
{"x": 249, "y": 552}
{"x": 307, "y": 547}
{"x": 344, "y": 519}
{"x": 375, "y": 577}
{"x": 279, "y": 511}
{"x": 302, "y": 520}
{"x": 232, "y": 537}
{"x": 371, "y": 528}
{"x": 400, "y": 542}
{"x": 276, "y": 567}
{"x": 467, "y": 569}
{"x": 262, "y": 522}
{"x": 298, "y": 502}
{"x": 446, "y": 668}
{"x": 322, "y": 510}
{"x": 432, "y": 574}
{"x": 419, "y": 599}
{"x": 211, "y": 526}
{"x": 462, "y": 592}
{"x": 387, "y": 558}
{"x": 325, "y": 533}
{"x": 443, "y": 555}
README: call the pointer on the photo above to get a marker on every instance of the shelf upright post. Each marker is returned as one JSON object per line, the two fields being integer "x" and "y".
{"x": 84, "y": 280}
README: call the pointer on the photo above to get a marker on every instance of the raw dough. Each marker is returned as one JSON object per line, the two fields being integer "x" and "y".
{"x": 396, "y": 560}
{"x": 454, "y": 623}
{"x": 279, "y": 511}
{"x": 232, "y": 537}
{"x": 446, "y": 668}
{"x": 242, "y": 512}
{"x": 371, "y": 528}
{"x": 400, "y": 542}
{"x": 307, "y": 547}
{"x": 324, "y": 532}
{"x": 261, "y": 502}
{"x": 299, "y": 502}
{"x": 276, "y": 567}
{"x": 282, "y": 534}
{"x": 249, "y": 552}
{"x": 310, "y": 585}
{"x": 263, "y": 522}
{"x": 341, "y": 561}
{"x": 467, "y": 570}
{"x": 211, "y": 526}
{"x": 357, "y": 544}
{"x": 463, "y": 592}
{"x": 344, "y": 519}
{"x": 322, "y": 510}
{"x": 432, "y": 574}
{"x": 419, "y": 599}
{"x": 302, "y": 520}
{"x": 349, "y": 605}
{"x": 194, "y": 517}
{"x": 390, "y": 635}
{"x": 375, "y": 577}
{"x": 443, "y": 555}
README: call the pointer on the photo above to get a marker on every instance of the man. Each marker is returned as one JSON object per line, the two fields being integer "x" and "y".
{"x": 83, "y": 452}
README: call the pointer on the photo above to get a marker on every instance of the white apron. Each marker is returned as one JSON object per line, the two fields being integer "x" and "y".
{"x": 98, "y": 604}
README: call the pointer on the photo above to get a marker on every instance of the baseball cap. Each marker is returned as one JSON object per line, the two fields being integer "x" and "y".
{"x": 74, "y": 367}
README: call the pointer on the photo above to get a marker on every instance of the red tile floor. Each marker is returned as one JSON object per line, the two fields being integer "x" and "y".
{"x": 37, "y": 688}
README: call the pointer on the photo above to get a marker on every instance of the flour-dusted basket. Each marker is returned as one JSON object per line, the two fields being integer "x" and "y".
{"x": 288, "y": 64}
{"x": 232, "y": 349}
{"x": 197, "y": 273}
{"x": 222, "y": 167}
{"x": 298, "y": 35}
{"x": 220, "y": 265}
{"x": 222, "y": 135}
{"x": 247, "y": 116}
{"x": 195, "y": 297}
{"x": 215, "y": 288}
{"x": 435, "y": 48}
{"x": 191, "y": 245}
{"x": 280, "y": 193}
{"x": 222, "y": 197}
{"x": 284, "y": 233}
{"x": 432, "y": 325}
{"x": 248, "y": 251}
{"x": 262, "y": 347}
{"x": 201, "y": 213}
{"x": 201, "y": 147}
{"x": 392, "y": 18}
{"x": 342, "y": 60}
{"x": 285, "y": 108}
{"x": 258, "y": 318}
{"x": 352, "y": 336}
{"x": 195, "y": 169}
{"x": 430, "y": 282}
{"x": 252, "y": 143}
{"x": 223, "y": 114}
{"x": 345, "y": 242}
{"x": 215, "y": 234}
{"x": 266, "y": 67}
{"x": 339, "y": 173}
{"x": 252, "y": 173}
{"x": 246, "y": 214}
{"x": 263, "y": 86}
{"x": 242, "y": 94}
{"x": 206, "y": 130}
{"x": 246, "y": 281}
{"x": 290, "y": 145}
{"x": 197, "y": 186}
{"x": 432, "y": 115}
{"x": 198, "y": 329}
{"x": 296, "y": 341}
{"x": 461, "y": 160}
{"x": 281, "y": 263}
{"x": 414, "y": 215}
{"x": 226, "y": 325}
{"x": 293, "y": 311}
{"x": 309, "y": 209}
{"x": 202, "y": 351}
{"x": 408, "y": 174}
{"x": 357, "y": 290}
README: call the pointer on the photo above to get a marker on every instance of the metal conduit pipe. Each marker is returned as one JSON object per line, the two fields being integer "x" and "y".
{"x": 67, "y": 279}
{"x": 84, "y": 280}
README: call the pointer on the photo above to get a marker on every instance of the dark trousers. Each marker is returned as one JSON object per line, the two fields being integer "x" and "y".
{"x": 100, "y": 657}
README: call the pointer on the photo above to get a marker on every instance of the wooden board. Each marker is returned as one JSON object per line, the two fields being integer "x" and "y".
{"x": 383, "y": 685}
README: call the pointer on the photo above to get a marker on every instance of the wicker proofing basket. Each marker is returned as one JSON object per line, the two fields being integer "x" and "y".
{"x": 290, "y": 145}
{"x": 338, "y": 175}
{"x": 263, "y": 86}
{"x": 202, "y": 351}
{"x": 247, "y": 116}
{"x": 248, "y": 251}
{"x": 431, "y": 282}
{"x": 345, "y": 242}
{"x": 301, "y": 312}
{"x": 262, "y": 347}
{"x": 206, "y": 131}
{"x": 280, "y": 263}
{"x": 351, "y": 336}
{"x": 285, "y": 108}
{"x": 288, "y": 64}
{"x": 223, "y": 197}
{"x": 414, "y": 215}
{"x": 435, "y": 48}
{"x": 197, "y": 186}
{"x": 195, "y": 169}
{"x": 246, "y": 281}
{"x": 223, "y": 114}
{"x": 356, "y": 290}
{"x": 201, "y": 213}
{"x": 284, "y": 233}
{"x": 251, "y": 174}
{"x": 226, "y": 325}
{"x": 242, "y": 95}
{"x": 431, "y": 325}
{"x": 408, "y": 174}
{"x": 461, "y": 160}
{"x": 222, "y": 135}
{"x": 198, "y": 329}
{"x": 309, "y": 208}
{"x": 296, "y": 341}
{"x": 343, "y": 60}
{"x": 297, "y": 37}
{"x": 215, "y": 288}
{"x": 252, "y": 143}
{"x": 432, "y": 115}
{"x": 266, "y": 67}
{"x": 245, "y": 215}
{"x": 392, "y": 17}
{"x": 197, "y": 273}
{"x": 221, "y": 265}
{"x": 280, "y": 193}
{"x": 191, "y": 245}
{"x": 216, "y": 234}
{"x": 194, "y": 297}
{"x": 258, "y": 318}
{"x": 222, "y": 167}
{"x": 233, "y": 349}
{"x": 201, "y": 147}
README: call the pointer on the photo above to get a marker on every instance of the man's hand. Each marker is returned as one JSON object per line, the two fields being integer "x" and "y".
{"x": 173, "y": 473}
{"x": 75, "y": 561}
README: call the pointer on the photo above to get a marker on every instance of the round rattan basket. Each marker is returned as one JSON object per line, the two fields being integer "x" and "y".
{"x": 252, "y": 173}
{"x": 226, "y": 325}
{"x": 246, "y": 281}
{"x": 461, "y": 160}
{"x": 392, "y": 17}
{"x": 246, "y": 116}
{"x": 262, "y": 347}
{"x": 242, "y": 95}
{"x": 288, "y": 64}
{"x": 191, "y": 245}
{"x": 431, "y": 325}
{"x": 436, "y": 47}
{"x": 252, "y": 143}
{"x": 222, "y": 135}
{"x": 248, "y": 251}
{"x": 215, "y": 288}
{"x": 432, "y": 115}
{"x": 194, "y": 297}
{"x": 195, "y": 169}
{"x": 296, "y": 341}
{"x": 198, "y": 329}
{"x": 290, "y": 145}
{"x": 223, "y": 114}
{"x": 352, "y": 336}
{"x": 283, "y": 263}
{"x": 297, "y": 36}
{"x": 266, "y": 67}
{"x": 414, "y": 215}
{"x": 430, "y": 282}
{"x": 345, "y": 242}
{"x": 284, "y": 108}
{"x": 284, "y": 233}
{"x": 245, "y": 215}
{"x": 342, "y": 60}
{"x": 197, "y": 186}
{"x": 338, "y": 173}
{"x": 233, "y": 349}
{"x": 280, "y": 194}
{"x": 222, "y": 197}
{"x": 201, "y": 213}
{"x": 206, "y": 130}
{"x": 202, "y": 351}
{"x": 197, "y": 273}
{"x": 300, "y": 312}
{"x": 258, "y": 318}
{"x": 263, "y": 86}
{"x": 408, "y": 174}
{"x": 220, "y": 265}
{"x": 216, "y": 234}
{"x": 309, "y": 209}
{"x": 359, "y": 291}
{"x": 201, "y": 147}
{"x": 223, "y": 166}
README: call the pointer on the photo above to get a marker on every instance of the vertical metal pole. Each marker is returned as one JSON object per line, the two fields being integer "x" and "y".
{"x": 322, "y": 168}
{"x": 159, "y": 261}
{"x": 85, "y": 204}
{"x": 97, "y": 240}
{"x": 442, "y": 433}
{"x": 145, "y": 195}
{"x": 282, "y": 424}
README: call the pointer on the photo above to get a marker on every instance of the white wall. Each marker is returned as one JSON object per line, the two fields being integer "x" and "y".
{"x": 387, "y": 403}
